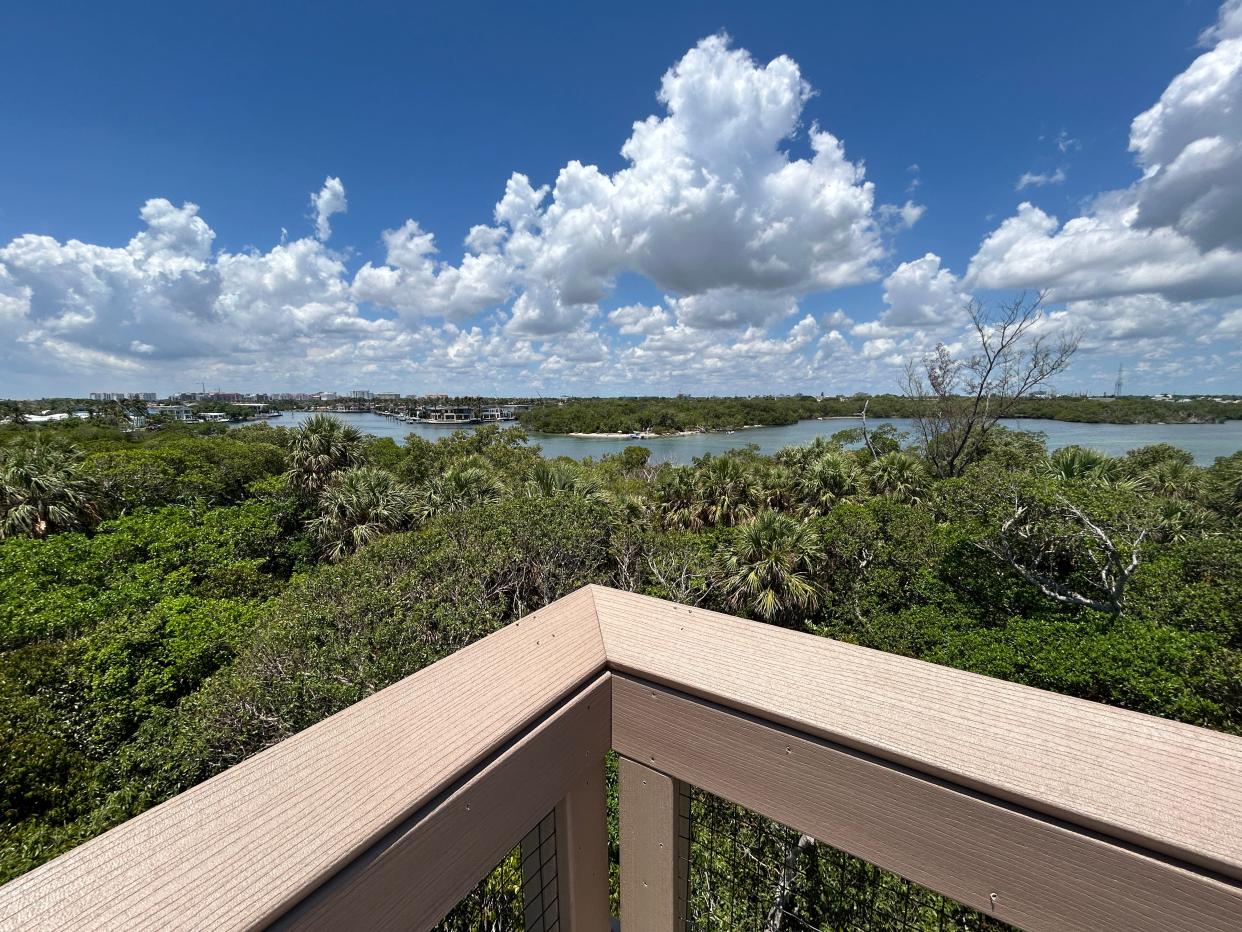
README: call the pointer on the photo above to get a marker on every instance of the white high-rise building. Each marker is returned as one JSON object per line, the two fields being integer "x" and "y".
{"x": 122, "y": 396}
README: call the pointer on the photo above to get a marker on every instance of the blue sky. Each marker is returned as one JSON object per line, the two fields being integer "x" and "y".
{"x": 717, "y": 253}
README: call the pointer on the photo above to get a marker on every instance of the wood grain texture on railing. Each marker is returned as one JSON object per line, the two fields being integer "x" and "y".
{"x": 451, "y": 847}
{"x": 242, "y": 848}
{"x": 1170, "y": 787}
{"x": 1024, "y": 869}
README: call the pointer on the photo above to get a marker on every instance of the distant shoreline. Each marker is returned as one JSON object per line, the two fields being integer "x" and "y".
{"x": 878, "y": 420}
{"x": 626, "y": 435}
{"x": 610, "y": 436}
{"x": 651, "y": 435}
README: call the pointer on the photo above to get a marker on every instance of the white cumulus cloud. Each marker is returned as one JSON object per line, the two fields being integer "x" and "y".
{"x": 330, "y": 200}
{"x": 922, "y": 294}
{"x": 1039, "y": 179}
{"x": 1175, "y": 232}
{"x": 710, "y": 206}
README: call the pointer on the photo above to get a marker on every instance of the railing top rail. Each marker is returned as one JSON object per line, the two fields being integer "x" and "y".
{"x": 244, "y": 847}
{"x": 1168, "y": 786}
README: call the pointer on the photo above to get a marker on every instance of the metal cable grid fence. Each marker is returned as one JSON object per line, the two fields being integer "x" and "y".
{"x": 519, "y": 895}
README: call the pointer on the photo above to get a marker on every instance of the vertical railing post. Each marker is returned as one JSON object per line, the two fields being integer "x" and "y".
{"x": 582, "y": 853}
{"x": 654, "y": 849}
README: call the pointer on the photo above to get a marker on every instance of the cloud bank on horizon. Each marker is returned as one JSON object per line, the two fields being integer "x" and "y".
{"x": 713, "y": 210}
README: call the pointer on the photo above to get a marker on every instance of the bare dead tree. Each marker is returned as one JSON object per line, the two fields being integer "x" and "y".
{"x": 676, "y": 576}
{"x": 865, "y": 434}
{"x": 959, "y": 400}
{"x": 1034, "y": 544}
{"x": 795, "y": 846}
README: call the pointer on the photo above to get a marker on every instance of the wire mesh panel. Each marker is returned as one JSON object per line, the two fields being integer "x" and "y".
{"x": 750, "y": 874}
{"x": 541, "y": 907}
{"x": 519, "y": 895}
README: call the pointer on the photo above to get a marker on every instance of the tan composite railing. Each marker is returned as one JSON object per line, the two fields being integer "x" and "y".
{"x": 1037, "y": 809}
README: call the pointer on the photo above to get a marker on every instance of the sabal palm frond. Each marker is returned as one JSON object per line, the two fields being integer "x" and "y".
{"x": 898, "y": 475}
{"x": 831, "y": 478}
{"x": 1074, "y": 463}
{"x": 318, "y": 449}
{"x": 1174, "y": 479}
{"x": 42, "y": 489}
{"x": 677, "y": 493}
{"x": 769, "y": 567}
{"x": 1179, "y": 521}
{"x": 801, "y": 457}
{"x": 456, "y": 489}
{"x": 1231, "y": 484}
{"x": 726, "y": 490}
{"x": 554, "y": 478}
{"x": 777, "y": 488}
{"x": 360, "y": 505}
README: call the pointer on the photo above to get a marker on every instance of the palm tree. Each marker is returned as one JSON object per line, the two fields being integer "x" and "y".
{"x": 898, "y": 475}
{"x": 768, "y": 567}
{"x": 42, "y": 489}
{"x": 726, "y": 490}
{"x": 553, "y": 478}
{"x": 1075, "y": 463}
{"x": 631, "y": 506}
{"x": 1230, "y": 484}
{"x": 1173, "y": 479}
{"x": 827, "y": 480}
{"x": 777, "y": 488}
{"x": 678, "y": 495}
{"x": 456, "y": 489}
{"x": 1179, "y": 520}
{"x": 321, "y": 447}
{"x": 359, "y": 505}
{"x": 799, "y": 458}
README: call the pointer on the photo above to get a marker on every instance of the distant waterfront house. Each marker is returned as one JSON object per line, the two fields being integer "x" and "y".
{"x": 448, "y": 414}
{"x": 177, "y": 412}
{"x": 503, "y": 412}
